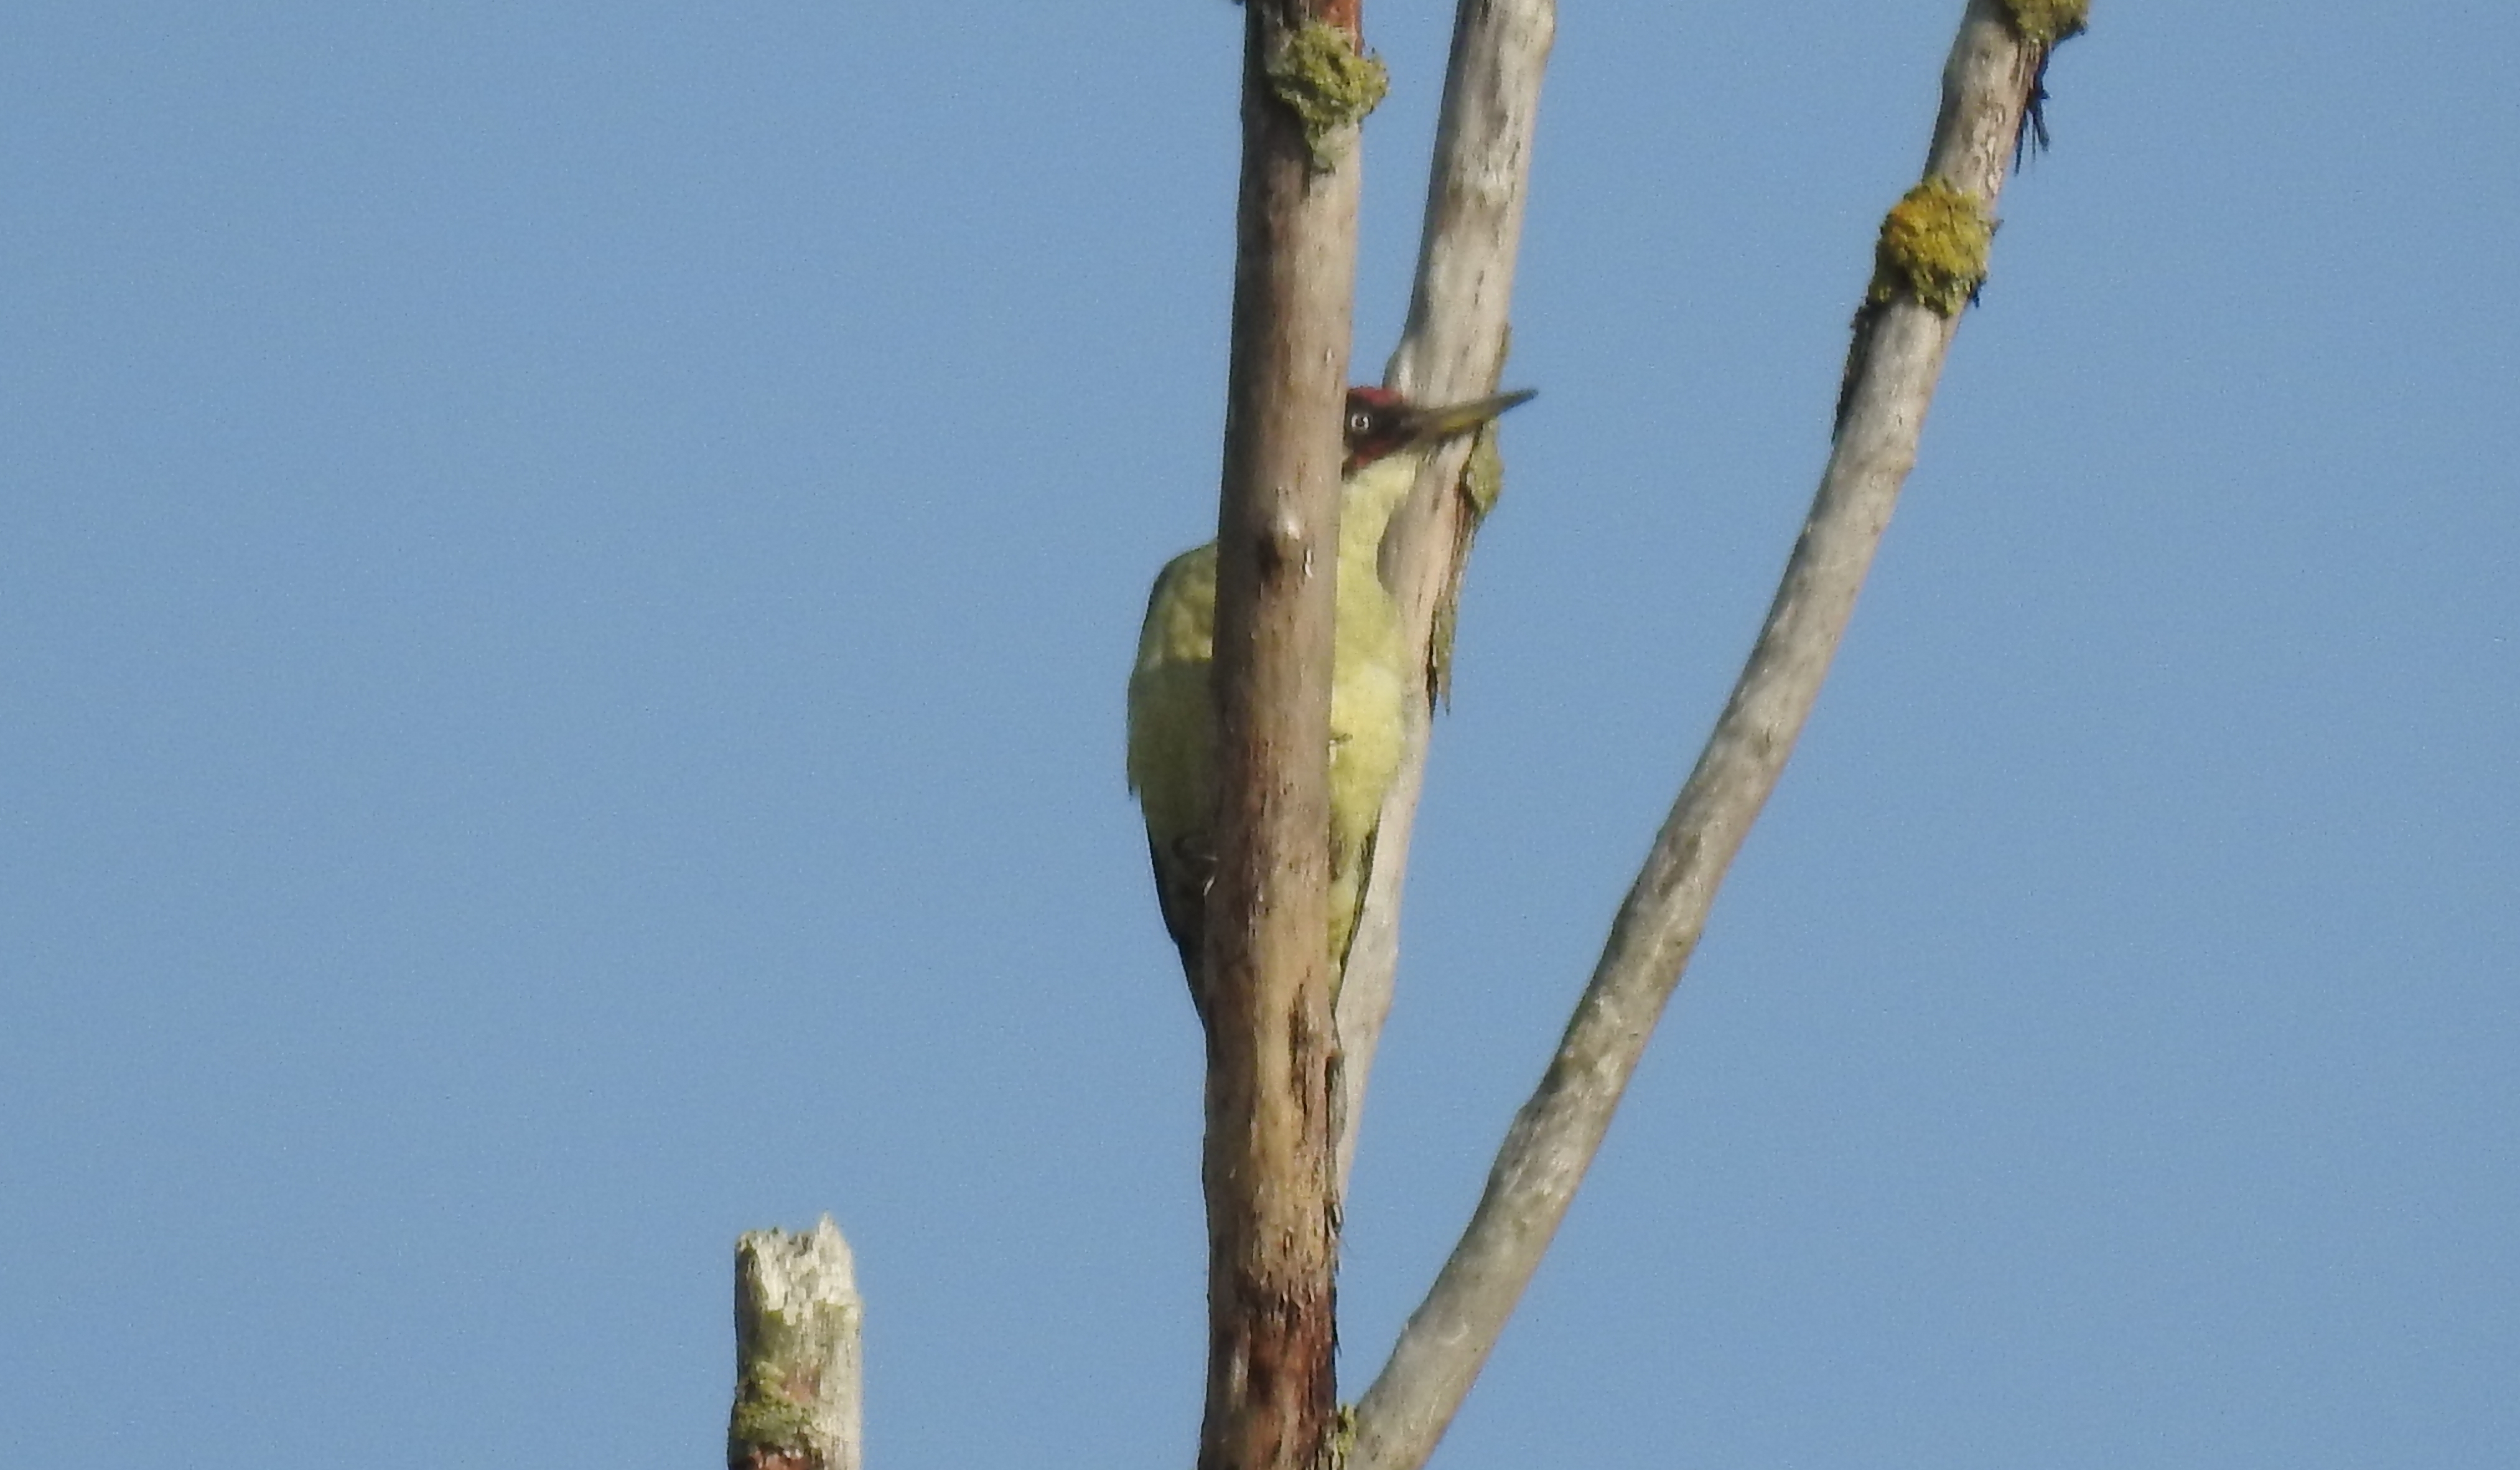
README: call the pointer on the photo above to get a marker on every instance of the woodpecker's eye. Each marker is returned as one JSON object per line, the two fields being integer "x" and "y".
{"x": 1360, "y": 424}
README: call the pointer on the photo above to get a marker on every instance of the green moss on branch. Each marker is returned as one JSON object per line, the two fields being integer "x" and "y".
{"x": 2044, "y": 23}
{"x": 1319, "y": 78}
{"x": 1933, "y": 249}
{"x": 769, "y": 1417}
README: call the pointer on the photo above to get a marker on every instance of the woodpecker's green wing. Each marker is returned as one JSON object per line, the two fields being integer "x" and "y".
{"x": 1172, "y": 744}
{"x": 1172, "y": 740}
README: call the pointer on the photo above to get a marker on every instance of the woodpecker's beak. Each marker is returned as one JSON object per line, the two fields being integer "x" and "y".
{"x": 1428, "y": 425}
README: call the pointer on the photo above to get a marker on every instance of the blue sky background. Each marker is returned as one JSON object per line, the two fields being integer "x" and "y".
{"x": 565, "y": 577}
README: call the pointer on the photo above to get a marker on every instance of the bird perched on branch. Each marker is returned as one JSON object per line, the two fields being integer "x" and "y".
{"x": 1172, "y": 699}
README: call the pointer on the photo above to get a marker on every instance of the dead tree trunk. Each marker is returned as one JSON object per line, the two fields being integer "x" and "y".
{"x": 1272, "y": 1048}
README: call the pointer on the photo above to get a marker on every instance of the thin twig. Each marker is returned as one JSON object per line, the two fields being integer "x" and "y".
{"x": 1452, "y": 350}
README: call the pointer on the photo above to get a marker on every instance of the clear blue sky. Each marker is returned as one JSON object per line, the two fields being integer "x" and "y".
{"x": 565, "y": 575}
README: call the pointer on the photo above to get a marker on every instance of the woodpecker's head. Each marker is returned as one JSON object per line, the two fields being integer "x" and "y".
{"x": 1379, "y": 422}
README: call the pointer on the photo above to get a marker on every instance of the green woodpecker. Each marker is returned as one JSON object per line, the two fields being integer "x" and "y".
{"x": 1172, "y": 700}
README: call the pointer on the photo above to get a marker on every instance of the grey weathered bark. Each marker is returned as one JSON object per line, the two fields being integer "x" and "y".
{"x": 1451, "y": 349}
{"x": 1898, "y": 352}
{"x": 1272, "y": 1048}
{"x": 797, "y": 1374}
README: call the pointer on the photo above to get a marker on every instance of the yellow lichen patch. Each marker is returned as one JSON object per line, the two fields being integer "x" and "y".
{"x": 1322, "y": 81}
{"x": 1933, "y": 247}
{"x": 2044, "y": 23}
{"x": 1343, "y": 1441}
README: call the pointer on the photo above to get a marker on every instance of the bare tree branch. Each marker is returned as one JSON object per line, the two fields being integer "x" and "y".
{"x": 1898, "y": 356}
{"x": 1272, "y": 1048}
{"x": 1452, "y": 350}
